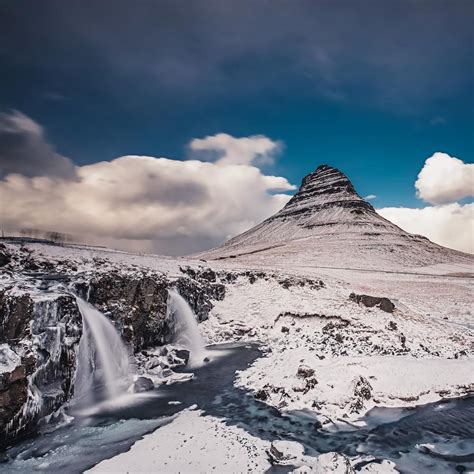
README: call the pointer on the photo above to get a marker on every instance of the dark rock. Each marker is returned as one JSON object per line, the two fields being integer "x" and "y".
{"x": 392, "y": 325}
{"x": 304, "y": 371}
{"x": 460, "y": 355}
{"x": 288, "y": 282}
{"x": 370, "y": 301}
{"x": 200, "y": 294}
{"x": 138, "y": 303}
{"x": 285, "y": 329}
{"x": 205, "y": 274}
{"x": 183, "y": 354}
{"x": 47, "y": 369}
{"x": 143, "y": 384}
{"x": 262, "y": 395}
{"x": 335, "y": 323}
{"x": 362, "y": 392}
{"x": 16, "y": 312}
{"x": 310, "y": 384}
{"x": 5, "y": 257}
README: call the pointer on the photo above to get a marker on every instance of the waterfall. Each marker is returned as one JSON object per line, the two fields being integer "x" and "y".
{"x": 103, "y": 371}
{"x": 186, "y": 326}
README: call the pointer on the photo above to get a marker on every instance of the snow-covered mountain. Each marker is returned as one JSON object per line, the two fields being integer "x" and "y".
{"x": 327, "y": 223}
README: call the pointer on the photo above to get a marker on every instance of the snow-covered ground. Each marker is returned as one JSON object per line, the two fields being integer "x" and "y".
{"x": 323, "y": 351}
{"x": 192, "y": 443}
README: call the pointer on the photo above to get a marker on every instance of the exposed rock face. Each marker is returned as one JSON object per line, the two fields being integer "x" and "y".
{"x": 326, "y": 222}
{"x": 370, "y": 301}
{"x": 44, "y": 335}
{"x": 16, "y": 312}
{"x": 199, "y": 290}
{"x": 326, "y": 189}
{"x": 136, "y": 302}
{"x": 42, "y": 327}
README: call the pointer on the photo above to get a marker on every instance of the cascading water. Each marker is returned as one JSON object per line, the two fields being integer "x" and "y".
{"x": 104, "y": 371}
{"x": 186, "y": 327}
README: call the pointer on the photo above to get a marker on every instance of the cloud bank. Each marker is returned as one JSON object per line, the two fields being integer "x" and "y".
{"x": 151, "y": 204}
{"x": 442, "y": 180}
{"x": 144, "y": 203}
{"x": 451, "y": 225}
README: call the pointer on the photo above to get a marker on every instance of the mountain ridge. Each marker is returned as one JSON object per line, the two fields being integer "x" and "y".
{"x": 327, "y": 220}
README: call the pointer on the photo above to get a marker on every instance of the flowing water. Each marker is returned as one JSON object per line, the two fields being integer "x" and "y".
{"x": 104, "y": 371}
{"x": 186, "y": 327}
{"x": 393, "y": 434}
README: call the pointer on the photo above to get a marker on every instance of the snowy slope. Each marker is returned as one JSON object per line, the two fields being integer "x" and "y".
{"x": 326, "y": 223}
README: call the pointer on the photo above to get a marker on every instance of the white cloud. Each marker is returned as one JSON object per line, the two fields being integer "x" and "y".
{"x": 451, "y": 225}
{"x": 225, "y": 149}
{"x": 152, "y": 204}
{"x": 370, "y": 197}
{"x": 444, "y": 179}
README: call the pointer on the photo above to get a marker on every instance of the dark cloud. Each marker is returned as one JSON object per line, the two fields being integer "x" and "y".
{"x": 383, "y": 52}
{"x": 23, "y": 150}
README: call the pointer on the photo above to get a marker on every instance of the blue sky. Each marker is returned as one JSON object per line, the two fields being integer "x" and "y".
{"x": 371, "y": 87}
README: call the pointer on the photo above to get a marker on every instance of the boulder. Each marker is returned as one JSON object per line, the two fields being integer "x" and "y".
{"x": 304, "y": 371}
{"x": 370, "y": 301}
{"x": 143, "y": 384}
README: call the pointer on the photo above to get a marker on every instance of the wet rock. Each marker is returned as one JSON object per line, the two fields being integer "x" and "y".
{"x": 261, "y": 395}
{"x": 152, "y": 363}
{"x": 16, "y": 312}
{"x": 143, "y": 384}
{"x": 138, "y": 303}
{"x": 370, "y": 301}
{"x": 183, "y": 354}
{"x": 43, "y": 380}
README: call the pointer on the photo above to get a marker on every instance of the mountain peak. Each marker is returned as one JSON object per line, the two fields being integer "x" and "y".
{"x": 327, "y": 222}
{"x": 325, "y": 188}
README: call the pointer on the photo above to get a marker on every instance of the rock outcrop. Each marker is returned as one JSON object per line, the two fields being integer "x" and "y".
{"x": 370, "y": 301}
{"x": 40, "y": 325}
{"x": 43, "y": 334}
